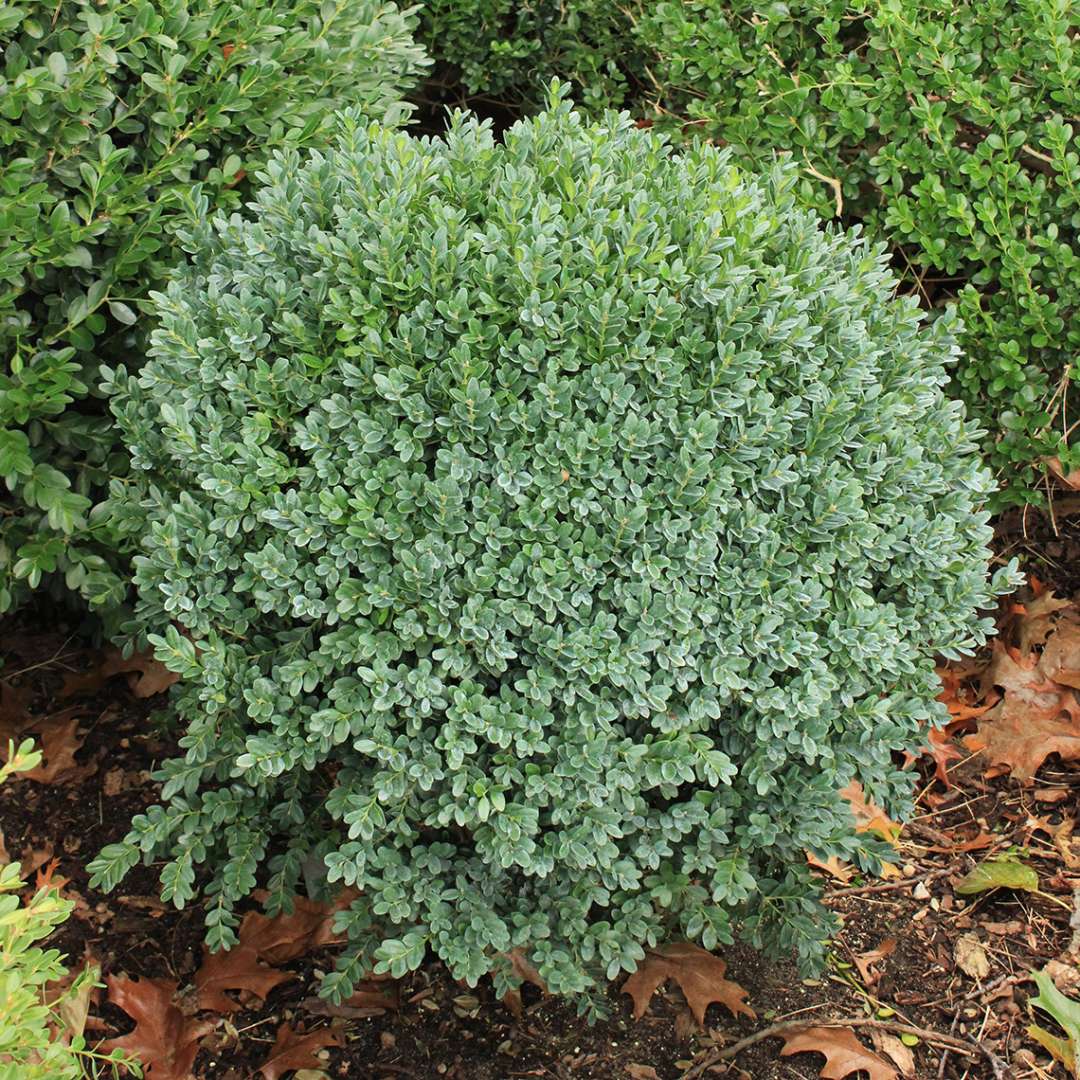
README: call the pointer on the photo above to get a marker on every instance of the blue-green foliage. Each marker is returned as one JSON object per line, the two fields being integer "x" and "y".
{"x": 544, "y": 533}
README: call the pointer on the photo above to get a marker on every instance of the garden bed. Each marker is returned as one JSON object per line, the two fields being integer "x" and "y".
{"x": 429, "y": 1027}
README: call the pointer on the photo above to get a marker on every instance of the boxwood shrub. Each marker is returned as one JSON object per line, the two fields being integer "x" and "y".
{"x": 948, "y": 128}
{"x": 544, "y": 533}
{"x": 111, "y": 112}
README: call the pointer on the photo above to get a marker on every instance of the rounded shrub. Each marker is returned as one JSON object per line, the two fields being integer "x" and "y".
{"x": 544, "y": 533}
{"x": 111, "y": 113}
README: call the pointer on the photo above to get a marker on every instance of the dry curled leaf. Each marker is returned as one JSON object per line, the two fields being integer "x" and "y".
{"x": 1017, "y": 738}
{"x": 970, "y": 956}
{"x": 164, "y": 1040}
{"x": 844, "y": 1054}
{"x": 238, "y": 968}
{"x": 867, "y": 961}
{"x": 525, "y": 971}
{"x": 700, "y": 976}
{"x": 60, "y": 741}
{"x": 869, "y": 817}
{"x": 296, "y": 1049}
{"x": 900, "y": 1055}
{"x": 1030, "y": 688}
{"x": 145, "y": 675}
{"x": 371, "y": 998}
{"x": 285, "y": 936}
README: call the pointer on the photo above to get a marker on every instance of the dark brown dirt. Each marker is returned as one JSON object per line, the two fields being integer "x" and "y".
{"x": 446, "y": 1030}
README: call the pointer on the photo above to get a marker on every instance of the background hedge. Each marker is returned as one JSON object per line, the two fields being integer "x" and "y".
{"x": 114, "y": 115}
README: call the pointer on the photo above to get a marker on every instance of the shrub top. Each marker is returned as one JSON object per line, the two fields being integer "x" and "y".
{"x": 555, "y": 527}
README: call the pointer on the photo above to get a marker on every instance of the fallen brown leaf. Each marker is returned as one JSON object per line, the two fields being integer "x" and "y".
{"x": 239, "y": 968}
{"x": 284, "y": 937}
{"x": 1019, "y": 737}
{"x": 866, "y": 961}
{"x": 164, "y": 1040}
{"x": 834, "y": 866}
{"x": 146, "y": 676}
{"x": 900, "y": 1055}
{"x": 60, "y": 741}
{"x": 295, "y": 1049}
{"x": 970, "y": 956}
{"x": 844, "y": 1054}
{"x": 642, "y": 1072}
{"x": 869, "y": 817}
{"x": 525, "y": 971}
{"x": 372, "y": 998}
{"x": 700, "y": 976}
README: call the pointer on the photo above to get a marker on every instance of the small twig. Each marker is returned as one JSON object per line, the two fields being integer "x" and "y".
{"x": 945, "y": 1052}
{"x": 889, "y": 886}
{"x": 969, "y": 1047}
{"x": 838, "y": 193}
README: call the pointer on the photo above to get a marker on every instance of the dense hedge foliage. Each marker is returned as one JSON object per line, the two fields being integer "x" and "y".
{"x": 110, "y": 112}
{"x": 505, "y": 51}
{"x": 544, "y": 533}
{"x": 948, "y": 128}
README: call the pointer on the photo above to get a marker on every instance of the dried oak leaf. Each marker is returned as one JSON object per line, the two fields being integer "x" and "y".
{"x": 146, "y": 676}
{"x": 60, "y": 742}
{"x": 700, "y": 976}
{"x": 284, "y": 937}
{"x": 844, "y": 1054}
{"x": 1038, "y": 619}
{"x": 164, "y": 1040}
{"x": 374, "y": 997}
{"x": 866, "y": 961}
{"x": 525, "y": 971}
{"x": 295, "y": 1049}
{"x": 869, "y": 817}
{"x": 1060, "y": 660}
{"x": 14, "y": 715}
{"x": 834, "y": 866}
{"x": 941, "y": 748}
{"x": 1021, "y": 679}
{"x": 1017, "y": 737}
{"x": 239, "y": 968}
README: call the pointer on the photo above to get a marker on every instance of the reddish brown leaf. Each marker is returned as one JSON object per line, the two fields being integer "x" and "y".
{"x": 844, "y": 1054}
{"x": 293, "y": 1049}
{"x": 14, "y": 717}
{"x": 1060, "y": 660}
{"x": 372, "y": 998}
{"x": 700, "y": 976}
{"x": 1019, "y": 737}
{"x": 237, "y": 969}
{"x": 941, "y": 748}
{"x": 60, "y": 741}
{"x": 281, "y": 938}
{"x": 867, "y": 961}
{"x": 1021, "y": 679}
{"x": 869, "y": 817}
{"x": 525, "y": 971}
{"x": 834, "y": 866}
{"x": 146, "y": 676}
{"x": 164, "y": 1040}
